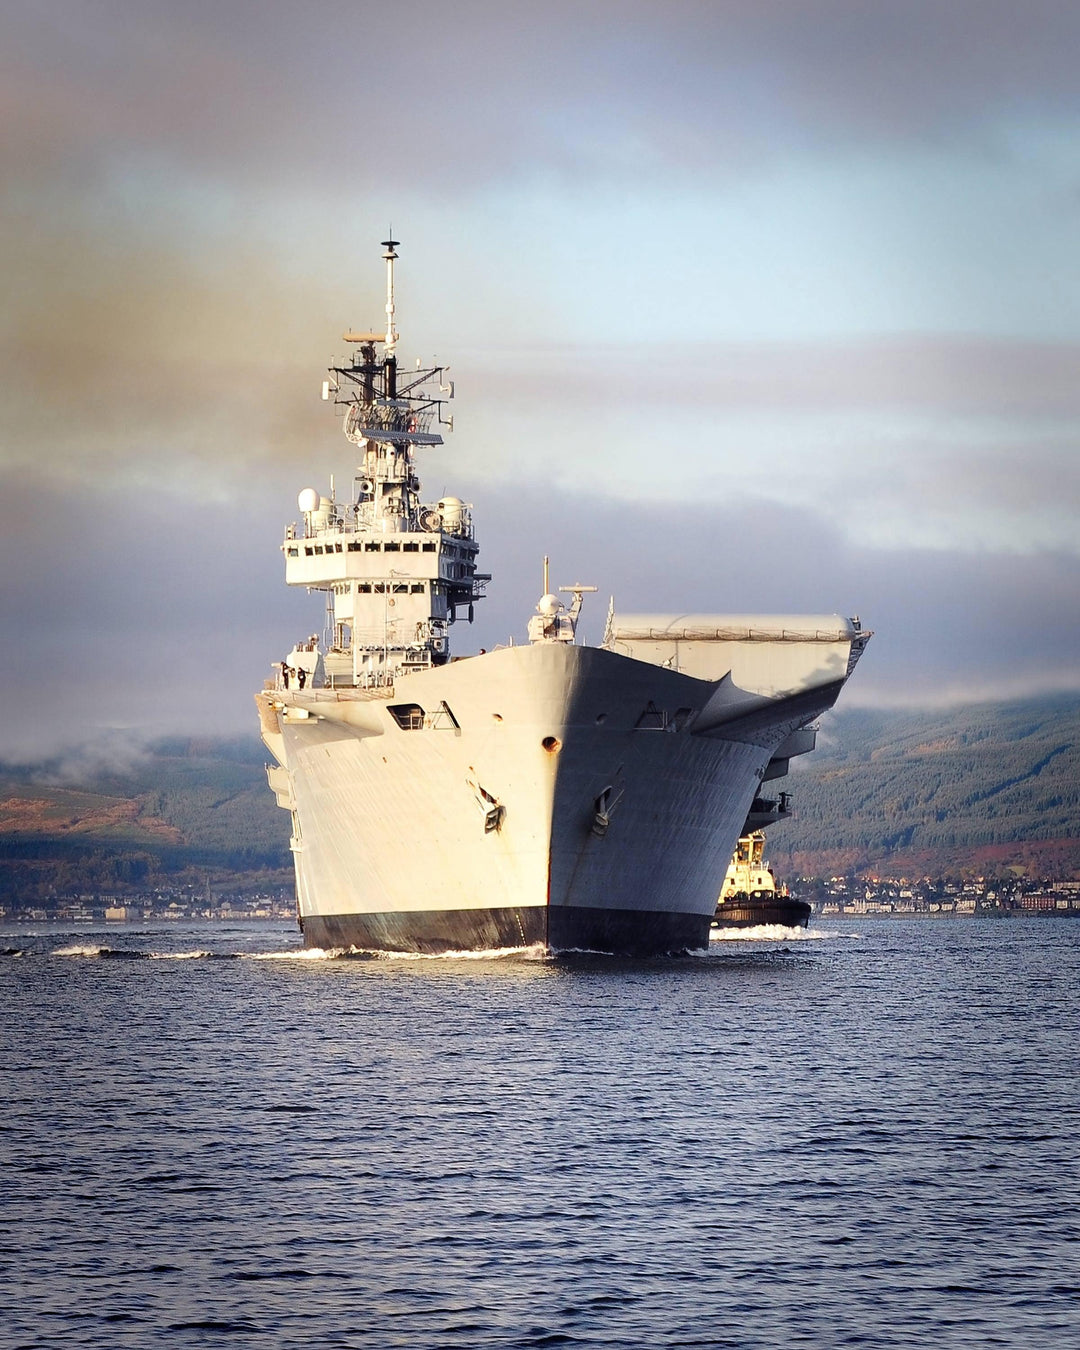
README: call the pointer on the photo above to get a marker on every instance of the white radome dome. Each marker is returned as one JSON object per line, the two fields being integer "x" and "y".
{"x": 308, "y": 501}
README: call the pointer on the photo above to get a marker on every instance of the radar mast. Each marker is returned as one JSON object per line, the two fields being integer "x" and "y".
{"x": 397, "y": 571}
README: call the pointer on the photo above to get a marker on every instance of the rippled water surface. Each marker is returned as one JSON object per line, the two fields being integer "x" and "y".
{"x": 866, "y": 1136}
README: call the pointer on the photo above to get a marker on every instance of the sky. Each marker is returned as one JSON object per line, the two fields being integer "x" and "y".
{"x": 750, "y": 305}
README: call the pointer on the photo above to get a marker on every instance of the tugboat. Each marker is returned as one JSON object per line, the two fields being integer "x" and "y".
{"x": 750, "y": 896}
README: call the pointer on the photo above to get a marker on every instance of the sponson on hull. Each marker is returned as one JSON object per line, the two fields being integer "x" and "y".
{"x": 551, "y": 794}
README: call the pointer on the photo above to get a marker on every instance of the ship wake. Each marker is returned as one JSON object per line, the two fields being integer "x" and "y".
{"x": 775, "y": 932}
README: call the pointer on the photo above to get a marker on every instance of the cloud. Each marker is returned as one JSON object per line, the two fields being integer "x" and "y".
{"x": 754, "y": 303}
{"x": 928, "y": 372}
{"x": 949, "y": 627}
{"x": 143, "y": 615}
{"x": 488, "y": 90}
{"x": 959, "y": 443}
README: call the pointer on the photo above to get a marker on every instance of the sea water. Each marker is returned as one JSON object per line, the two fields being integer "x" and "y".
{"x": 861, "y": 1135}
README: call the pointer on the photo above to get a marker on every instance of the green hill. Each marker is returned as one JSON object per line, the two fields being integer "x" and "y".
{"x": 979, "y": 788}
{"x": 82, "y": 823}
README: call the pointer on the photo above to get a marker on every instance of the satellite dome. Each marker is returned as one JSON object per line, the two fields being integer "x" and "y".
{"x": 308, "y": 501}
{"x": 549, "y": 605}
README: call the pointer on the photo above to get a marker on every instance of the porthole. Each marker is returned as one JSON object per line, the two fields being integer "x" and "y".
{"x": 551, "y": 744}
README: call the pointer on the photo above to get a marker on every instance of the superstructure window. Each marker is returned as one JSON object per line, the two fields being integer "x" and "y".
{"x": 412, "y": 547}
{"x": 430, "y": 548}
{"x": 372, "y": 546}
{"x": 401, "y": 590}
{"x": 417, "y": 588}
{"x": 294, "y": 553}
{"x": 364, "y": 588}
{"x": 391, "y": 547}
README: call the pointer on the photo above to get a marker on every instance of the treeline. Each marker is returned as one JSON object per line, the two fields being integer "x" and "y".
{"x": 884, "y": 784}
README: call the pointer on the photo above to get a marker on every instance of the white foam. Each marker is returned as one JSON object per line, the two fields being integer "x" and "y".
{"x": 298, "y": 954}
{"x": 775, "y": 932}
{"x": 80, "y": 951}
{"x": 536, "y": 952}
{"x": 179, "y": 956}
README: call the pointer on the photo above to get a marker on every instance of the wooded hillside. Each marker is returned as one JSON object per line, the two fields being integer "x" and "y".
{"x": 979, "y": 787}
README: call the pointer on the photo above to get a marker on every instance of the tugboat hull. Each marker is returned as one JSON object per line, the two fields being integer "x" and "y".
{"x": 754, "y": 912}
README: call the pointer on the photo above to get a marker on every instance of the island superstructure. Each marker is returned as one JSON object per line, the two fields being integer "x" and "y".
{"x": 547, "y": 794}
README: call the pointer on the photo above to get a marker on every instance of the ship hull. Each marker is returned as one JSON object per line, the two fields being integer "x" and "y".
{"x": 565, "y": 929}
{"x": 753, "y": 913}
{"x": 554, "y": 795}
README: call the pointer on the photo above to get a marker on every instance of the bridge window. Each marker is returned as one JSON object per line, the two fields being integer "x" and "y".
{"x": 412, "y": 547}
{"x": 430, "y": 548}
{"x": 364, "y": 588}
{"x": 294, "y": 553}
{"x": 354, "y": 546}
{"x": 418, "y": 588}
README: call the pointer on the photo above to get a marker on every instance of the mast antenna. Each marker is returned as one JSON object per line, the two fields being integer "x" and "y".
{"x": 390, "y": 255}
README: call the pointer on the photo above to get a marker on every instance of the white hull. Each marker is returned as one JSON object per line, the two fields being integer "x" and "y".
{"x": 390, "y": 838}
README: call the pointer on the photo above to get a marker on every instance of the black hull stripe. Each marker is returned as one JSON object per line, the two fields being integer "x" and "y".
{"x": 622, "y": 932}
